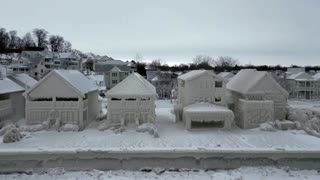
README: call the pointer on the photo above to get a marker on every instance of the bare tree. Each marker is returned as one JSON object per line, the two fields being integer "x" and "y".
{"x": 14, "y": 40}
{"x": 4, "y": 39}
{"x": 67, "y": 46}
{"x": 41, "y": 36}
{"x": 27, "y": 41}
{"x": 226, "y": 61}
{"x": 56, "y": 43}
{"x": 201, "y": 59}
{"x": 155, "y": 64}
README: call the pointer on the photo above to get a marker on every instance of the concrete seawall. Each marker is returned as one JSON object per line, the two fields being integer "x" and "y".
{"x": 136, "y": 160}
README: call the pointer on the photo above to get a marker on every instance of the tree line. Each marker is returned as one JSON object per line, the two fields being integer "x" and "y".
{"x": 220, "y": 64}
{"x": 37, "y": 39}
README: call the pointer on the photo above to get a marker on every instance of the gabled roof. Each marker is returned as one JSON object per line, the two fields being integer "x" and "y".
{"x": 23, "y": 80}
{"x": 8, "y": 86}
{"x": 300, "y": 76}
{"x": 246, "y": 79}
{"x": 133, "y": 85}
{"x": 316, "y": 76}
{"x": 226, "y": 75}
{"x": 196, "y": 73}
{"x": 74, "y": 78}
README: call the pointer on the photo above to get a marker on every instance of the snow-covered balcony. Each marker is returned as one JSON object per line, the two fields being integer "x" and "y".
{"x": 57, "y": 104}
{"x": 130, "y": 103}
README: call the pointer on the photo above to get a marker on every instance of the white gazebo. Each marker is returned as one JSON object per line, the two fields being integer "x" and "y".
{"x": 132, "y": 101}
{"x": 62, "y": 97}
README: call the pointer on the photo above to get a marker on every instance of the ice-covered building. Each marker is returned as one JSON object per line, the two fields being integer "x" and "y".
{"x": 62, "y": 97}
{"x": 302, "y": 85}
{"x": 257, "y": 98}
{"x": 132, "y": 101}
{"x": 201, "y": 100}
{"x": 12, "y": 102}
{"x": 226, "y": 75}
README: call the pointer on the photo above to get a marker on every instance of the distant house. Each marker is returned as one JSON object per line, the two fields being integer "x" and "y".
{"x": 114, "y": 71}
{"x": 164, "y": 82}
{"x": 39, "y": 63}
{"x": 201, "y": 100}
{"x": 257, "y": 98}
{"x": 132, "y": 101}
{"x": 62, "y": 97}
{"x": 302, "y": 85}
{"x": 226, "y": 75}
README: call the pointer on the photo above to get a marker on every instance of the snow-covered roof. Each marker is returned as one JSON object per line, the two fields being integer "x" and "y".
{"x": 205, "y": 107}
{"x": 8, "y": 86}
{"x": 300, "y": 76}
{"x": 247, "y": 79}
{"x": 226, "y": 75}
{"x": 191, "y": 74}
{"x": 78, "y": 80}
{"x": 316, "y": 76}
{"x": 23, "y": 80}
{"x": 74, "y": 78}
{"x": 133, "y": 85}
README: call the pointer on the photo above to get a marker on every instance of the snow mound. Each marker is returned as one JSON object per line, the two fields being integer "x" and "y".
{"x": 12, "y": 135}
{"x": 33, "y": 128}
{"x": 312, "y": 127}
{"x": 267, "y": 126}
{"x": 69, "y": 127}
{"x": 148, "y": 127}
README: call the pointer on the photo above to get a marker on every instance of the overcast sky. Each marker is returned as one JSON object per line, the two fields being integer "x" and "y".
{"x": 254, "y": 31}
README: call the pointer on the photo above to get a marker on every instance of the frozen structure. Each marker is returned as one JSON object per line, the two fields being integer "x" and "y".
{"x": 257, "y": 98}
{"x": 201, "y": 100}
{"x": 226, "y": 75}
{"x": 63, "y": 97}
{"x": 302, "y": 85}
{"x": 131, "y": 101}
{"x": 12, "y": 102}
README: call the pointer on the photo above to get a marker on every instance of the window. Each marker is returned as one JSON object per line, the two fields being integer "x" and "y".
{"x": 114, "y": 81}
{"x": 126, "y": 73}
{"x": 218, "y": 84}
{"x": 42, "y": 99}
{"x": 66, "y": 99}
{"x": 115, "y": 99}
{"x": 35, "y": 66}
{"x": 36, "y": 74}
{"x": 114, "y": 74}
{"x": 41, "y": 70}
{"x": 130, "y": 99}
{"x": 217, "y": 99}
{"x": 14, "y": 69}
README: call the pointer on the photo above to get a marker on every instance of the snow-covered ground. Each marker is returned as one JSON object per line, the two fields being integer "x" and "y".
{"x": 261, "y": 173}
{"x": 173, "y": 136}
{"x": 305, "y": 104}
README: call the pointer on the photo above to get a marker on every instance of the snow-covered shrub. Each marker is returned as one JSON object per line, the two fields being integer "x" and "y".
{"x": 69, "y": 127}
{"x": 267, "y": 126}
{"x": 6, "y": 127}
{"x": 12, "y": 135}
{"x": 150, "y": 128}
{"x": 312, "y": 127}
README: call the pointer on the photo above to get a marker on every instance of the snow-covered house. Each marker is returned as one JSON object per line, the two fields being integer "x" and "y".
{"x": 39, "y": 63}
{"x": 62, "y": 97}
{"x": 302, "y": 85}
{"x": 132, "y": 101}
{"x": 201, "y": 100}
{"x": 257, "y": 98}
{"x": 226, "y": 75}
{"x": 11, "y": 99}
{"x": 165, "y": 82}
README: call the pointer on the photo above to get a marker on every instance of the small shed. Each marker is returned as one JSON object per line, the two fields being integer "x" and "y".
{"x": 252, "y": 92}
{"x": 62, "y": 97}
{"x": 132, "y": 101}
